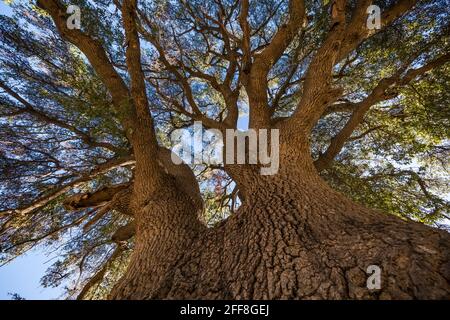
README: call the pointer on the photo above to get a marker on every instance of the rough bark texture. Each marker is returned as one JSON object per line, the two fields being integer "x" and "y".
{"x": 293, "y": 238}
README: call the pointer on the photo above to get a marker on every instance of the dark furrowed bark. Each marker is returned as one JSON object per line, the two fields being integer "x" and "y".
{"x": 293, "y": 238}
{"x": 313, "y": 244}
{"x": 165, "y": 227}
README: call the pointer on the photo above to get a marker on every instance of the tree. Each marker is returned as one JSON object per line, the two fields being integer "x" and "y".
{"x": 363, "y": 121}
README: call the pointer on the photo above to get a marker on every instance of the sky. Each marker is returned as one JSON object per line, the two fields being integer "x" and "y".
{"x": 22, "y": 276}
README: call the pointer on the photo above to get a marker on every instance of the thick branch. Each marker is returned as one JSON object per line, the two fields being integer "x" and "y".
{"x": 134, "y": 116}
{"x": 100, "y": 169}
{"x": 93, "y": 50}
{"x": 124, "y": 233}
{"x": 342, "y": 39}
{"x": 182, "y": 80}
{"x": 378, "y": 94}
{"x": 284, "y": 36}
{"x": 357, "y": 30}
{"x": 256, "y": 82}
{"x": 245, "y": 42}
{"x": 145, "y": 145}
{"x": 94, "y": 199}
{"x": 318, "y": 92}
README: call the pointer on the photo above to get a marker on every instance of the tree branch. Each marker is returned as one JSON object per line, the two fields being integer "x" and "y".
{"x": 357, "y": 30}
{"x": 28, "y": 108}
{"x": 378, "y": 94}
{"x": 183, "y": 81}
{"x": 93, "y": 50}
{"x": 100, "y": 169}
{"x": 256, "y": 81}
{"x": 317, "y": 89}
{"x": 100, "y": 274}
{"x": 342, "y": 39}
{"x": 135, "y": 116}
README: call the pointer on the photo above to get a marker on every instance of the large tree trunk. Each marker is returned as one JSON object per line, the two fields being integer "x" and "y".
{"x": 293, "y": 238}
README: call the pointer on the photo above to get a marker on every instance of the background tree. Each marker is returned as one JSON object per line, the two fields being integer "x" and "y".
{"x": 85, "y": 116}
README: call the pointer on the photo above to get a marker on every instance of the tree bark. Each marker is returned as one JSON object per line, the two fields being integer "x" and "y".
{"x": 293, "y": 238}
